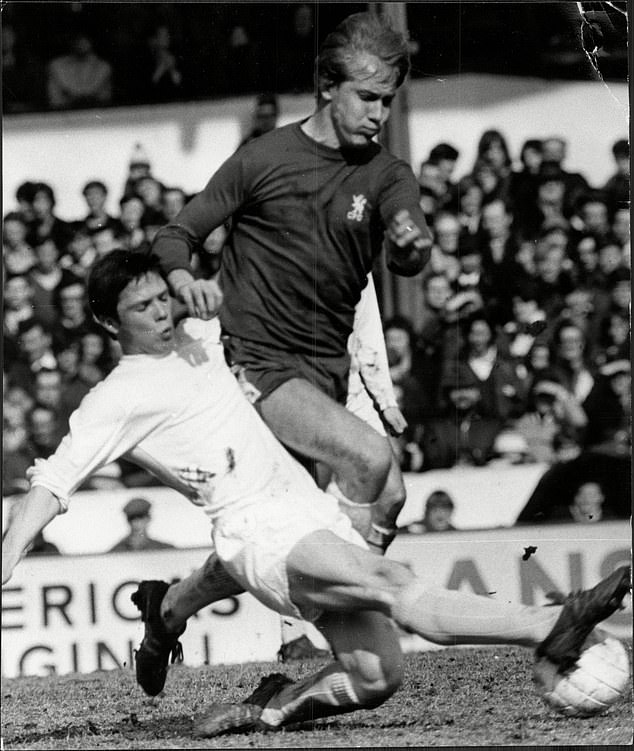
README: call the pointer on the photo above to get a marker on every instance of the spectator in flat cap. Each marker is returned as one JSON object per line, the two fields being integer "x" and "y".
{"x": 551, "y": 410}
{"x": 137, "y": 512}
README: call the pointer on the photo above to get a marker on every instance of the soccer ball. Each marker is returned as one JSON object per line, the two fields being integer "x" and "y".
{"x": 595, "y": 682}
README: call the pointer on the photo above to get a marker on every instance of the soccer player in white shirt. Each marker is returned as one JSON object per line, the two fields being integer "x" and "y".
{"x": 276, "y": 534}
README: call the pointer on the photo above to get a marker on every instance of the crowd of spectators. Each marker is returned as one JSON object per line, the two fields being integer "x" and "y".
{"x": 521, "y": 353}
{"x": 78, "y": 55}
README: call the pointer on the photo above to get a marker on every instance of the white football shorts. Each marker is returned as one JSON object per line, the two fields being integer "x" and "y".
{"x": 254, "y": 541}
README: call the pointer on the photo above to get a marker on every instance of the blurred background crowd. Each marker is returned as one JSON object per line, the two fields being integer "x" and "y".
{"x": 522, "y": 350}
{"x": 70, "y": 55}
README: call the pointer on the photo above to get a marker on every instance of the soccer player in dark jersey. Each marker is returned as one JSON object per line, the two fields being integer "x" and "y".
{"x": 311, "y": 205}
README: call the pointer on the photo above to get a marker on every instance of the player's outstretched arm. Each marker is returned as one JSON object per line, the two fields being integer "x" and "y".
{"x": 30, "y": 515}
{"x": 408, "y": 245}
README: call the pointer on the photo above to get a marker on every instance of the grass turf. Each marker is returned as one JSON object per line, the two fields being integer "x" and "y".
{"x": 452, "y": 697}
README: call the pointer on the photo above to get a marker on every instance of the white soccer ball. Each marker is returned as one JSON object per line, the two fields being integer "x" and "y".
{"x": 598, "y": 678}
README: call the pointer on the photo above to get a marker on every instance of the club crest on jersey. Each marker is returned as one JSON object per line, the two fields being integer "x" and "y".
{"x": 358, "y": 207}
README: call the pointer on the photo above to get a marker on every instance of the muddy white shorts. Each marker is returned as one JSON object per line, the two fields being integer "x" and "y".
{"x": 254, "y": 541}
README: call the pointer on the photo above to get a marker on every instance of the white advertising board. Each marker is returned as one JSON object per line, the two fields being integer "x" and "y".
{"x": 73, "y": 613}
{"x": 522, "y": 564}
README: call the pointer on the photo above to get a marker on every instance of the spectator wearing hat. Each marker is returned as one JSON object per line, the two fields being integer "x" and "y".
{"x": 437, "y": 515}
{"x": 511, "y": 448}
{"x": 138, "y": 167}
{"x": 463, "y": 435}
{"x": 137, "y": 513}
{"x": 551, "y": 410}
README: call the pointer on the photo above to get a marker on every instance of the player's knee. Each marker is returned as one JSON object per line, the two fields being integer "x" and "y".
{"x": 376, "y": 676}
{"x": 374, "y": 457}
{"x": 392, "y": 499}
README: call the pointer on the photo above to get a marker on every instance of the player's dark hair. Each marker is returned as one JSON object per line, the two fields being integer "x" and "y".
{"x": 111, "y": 274}
{"x": 356, "y": 34}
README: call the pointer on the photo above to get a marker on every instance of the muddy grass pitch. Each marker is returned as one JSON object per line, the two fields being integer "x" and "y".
{"x": 453, "y": 697}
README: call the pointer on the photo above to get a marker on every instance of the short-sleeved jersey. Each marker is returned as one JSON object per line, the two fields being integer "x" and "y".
{"x": 308, "y": 222}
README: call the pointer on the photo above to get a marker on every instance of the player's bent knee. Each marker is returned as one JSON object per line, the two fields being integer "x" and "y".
{"x": 374, "y": 456}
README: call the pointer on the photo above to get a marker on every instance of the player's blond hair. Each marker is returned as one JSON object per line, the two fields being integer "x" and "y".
{"x": 360, "y": 33}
